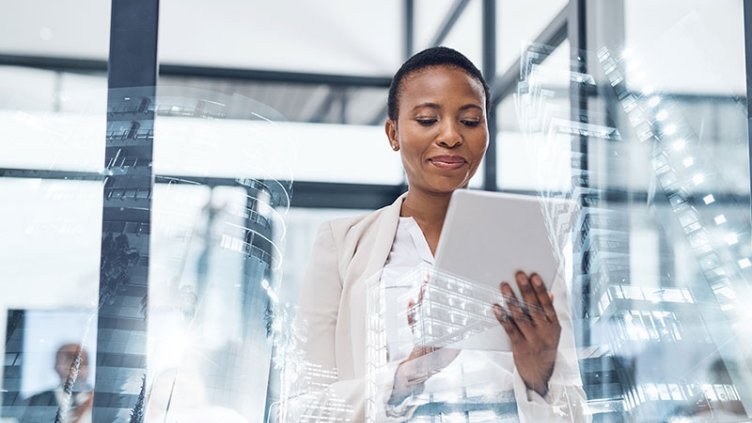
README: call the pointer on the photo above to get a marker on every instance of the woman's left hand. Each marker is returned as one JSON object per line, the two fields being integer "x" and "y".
{"x": 534, "y": 330}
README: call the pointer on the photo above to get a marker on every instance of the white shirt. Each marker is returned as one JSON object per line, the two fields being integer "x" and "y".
{"x": 409, "y": 251}
{"x": 483, "y": 370}
{"x": 66, "y": 402}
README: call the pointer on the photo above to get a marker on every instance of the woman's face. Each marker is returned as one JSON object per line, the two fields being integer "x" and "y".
{"x": 441, "y": 128}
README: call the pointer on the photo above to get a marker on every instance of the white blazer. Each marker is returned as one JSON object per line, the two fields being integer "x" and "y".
{"x": 332, "y": 322}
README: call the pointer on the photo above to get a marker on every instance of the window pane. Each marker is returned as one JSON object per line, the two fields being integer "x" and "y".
{"x": 193, "y": 139}
{"x": 313, "y": 37}
{"x": 658, "y": 156}
{"x": 49, "y": 268}
{"x": 534, "y": 150}
{"x": 52, "y": 120}
{"x": 76, "y": 29}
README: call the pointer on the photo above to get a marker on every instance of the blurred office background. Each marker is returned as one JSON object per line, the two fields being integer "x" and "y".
{"x": 164, "y": 228}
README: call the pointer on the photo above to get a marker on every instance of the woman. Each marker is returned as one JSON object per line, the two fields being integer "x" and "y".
{"x": 437, "y": 109}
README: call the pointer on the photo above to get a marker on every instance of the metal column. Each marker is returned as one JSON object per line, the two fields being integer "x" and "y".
{"x": 578, "y": 101}
{"x": 126, "y": 220}
{"x": 742, "y": 383}
{"x": 409, "y": 25}
{"x": 489, "y": 71}
{"x": 748, "y": 63}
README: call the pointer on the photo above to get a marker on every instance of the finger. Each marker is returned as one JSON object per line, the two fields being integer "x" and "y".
{"x": 509, "y": 326}
{"x": 510, "y": 298}
{"x": 538, "y": 311}
{"x": 507, "y": 294}
{"x": 545, "y": 298}
{"x": 419, "y": 304}
{"x": 422, "y": 292}
{"x": 516, "y": 313}
{"x": 411, "y": 313}
{"x": 522, "y": 320}
{"x": 529, "y": 297}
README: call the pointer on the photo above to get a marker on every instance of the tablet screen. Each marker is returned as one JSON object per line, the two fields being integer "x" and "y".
{"x": 488, "y": 237}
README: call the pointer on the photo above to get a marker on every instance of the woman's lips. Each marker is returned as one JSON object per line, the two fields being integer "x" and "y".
{"x": 448, "y": 162}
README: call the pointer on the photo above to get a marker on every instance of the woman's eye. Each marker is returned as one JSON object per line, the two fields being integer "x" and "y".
{"x": 426, "y": 121}
{"x": 471, "y": 122}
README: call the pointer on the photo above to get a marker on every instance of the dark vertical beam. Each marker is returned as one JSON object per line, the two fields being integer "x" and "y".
{"x": 409, "y": 17}
{"x": 133, "y": 44}
{"x": 489, "y": 71}
{"x": 259, "y": 309}
{"x": 742, "y": 383}
{"x": 343, "y": 106}
{"x": 577, "y": 30}
{"x": 126, "y": 217}
{"x": 606, "y": 28}
{"x": 578, "y": 101}
{"x": 748, "y": 69}
{"x": 13, "y": 403}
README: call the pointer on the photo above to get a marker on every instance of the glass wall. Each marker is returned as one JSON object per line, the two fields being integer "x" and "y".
{"x": 156, "y": 246}
{"x": 656, "y": 100}
{"x": 53, "y": 123}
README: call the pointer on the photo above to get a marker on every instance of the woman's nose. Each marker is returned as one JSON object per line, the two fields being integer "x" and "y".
{"x": 450, "y": 136}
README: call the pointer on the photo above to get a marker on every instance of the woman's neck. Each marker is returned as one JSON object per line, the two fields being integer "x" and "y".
{"x": 429, "y": 211}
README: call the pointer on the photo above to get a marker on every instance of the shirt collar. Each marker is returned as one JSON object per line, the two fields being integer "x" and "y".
{"x": 419, "y": 240}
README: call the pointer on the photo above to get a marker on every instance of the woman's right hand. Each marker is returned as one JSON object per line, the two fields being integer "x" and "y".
{"x": 423, "y": 361}
{"x": 533, "y": 329}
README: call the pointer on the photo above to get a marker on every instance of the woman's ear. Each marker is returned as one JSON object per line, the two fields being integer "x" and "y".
{"x": 390, "y": 127}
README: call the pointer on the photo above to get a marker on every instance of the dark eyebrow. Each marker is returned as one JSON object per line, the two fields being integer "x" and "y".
{"x": 429, "y": 105}
{"x": 471, "y": 106}
{"x": 436, "y": 106}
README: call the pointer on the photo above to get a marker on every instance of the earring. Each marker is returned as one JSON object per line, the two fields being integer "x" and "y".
{"x": 395, "y": 147}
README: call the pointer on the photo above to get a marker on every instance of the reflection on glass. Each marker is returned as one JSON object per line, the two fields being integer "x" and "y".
{"x": 656, "y": 156}
{"x": 661, "y": 267}
{"x": 49, "y": 374}
{"x": 218, "y": 238}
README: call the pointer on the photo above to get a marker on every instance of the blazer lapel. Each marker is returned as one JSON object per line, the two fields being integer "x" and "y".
{"x": 385, "y": 227}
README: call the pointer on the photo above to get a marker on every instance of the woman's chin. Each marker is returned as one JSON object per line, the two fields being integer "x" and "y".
{"x": 448, "y": 188}
{"x": 439, "y": 185}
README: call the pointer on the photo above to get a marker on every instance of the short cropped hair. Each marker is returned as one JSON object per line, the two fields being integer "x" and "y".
{"x": 432, "y": 57}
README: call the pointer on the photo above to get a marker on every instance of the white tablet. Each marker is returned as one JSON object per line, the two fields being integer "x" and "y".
{"x": 488, "y": 237}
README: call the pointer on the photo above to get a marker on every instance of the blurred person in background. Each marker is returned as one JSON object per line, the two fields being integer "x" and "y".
{"x": 71, "y": 401}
